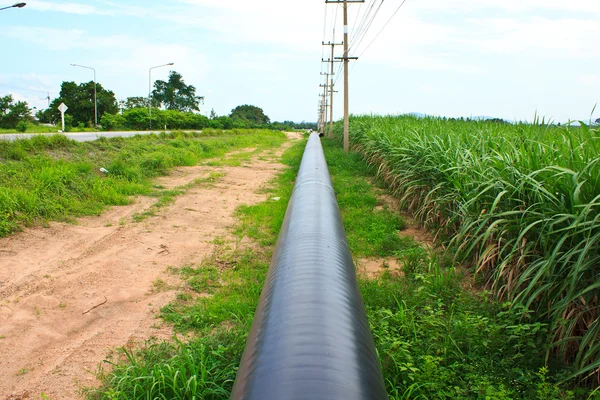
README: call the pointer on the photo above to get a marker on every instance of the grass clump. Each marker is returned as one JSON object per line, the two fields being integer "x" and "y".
{"x": 162, "y": 370}
{"x": 53, "y": 178}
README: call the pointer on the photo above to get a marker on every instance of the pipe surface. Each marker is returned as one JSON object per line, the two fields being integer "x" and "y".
{"x": 310, "y": 338}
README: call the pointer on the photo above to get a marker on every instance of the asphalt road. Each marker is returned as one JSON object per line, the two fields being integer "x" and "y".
{"x": 80, "y": 136}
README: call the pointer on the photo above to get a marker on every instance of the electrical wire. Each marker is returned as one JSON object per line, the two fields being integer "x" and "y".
{"x": 357, "y": 31}
{"x": 384, "y": 26}
{"x": 357, "y": 41}
{"x": 357, "y": 13}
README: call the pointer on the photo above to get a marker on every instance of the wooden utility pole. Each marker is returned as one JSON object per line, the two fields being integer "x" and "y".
{"x": 346, "y": 59}
{"x": 331, "y": 73}
{"x": 324, "y": 101}
{"x": 331, "y": 92}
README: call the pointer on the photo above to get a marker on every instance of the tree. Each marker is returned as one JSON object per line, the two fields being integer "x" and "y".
{"x": 80, "y": 100}
{"x": 136, "y": 102}
{"x": 598, "y": 121}
{"x": 11, "y": 113}
{"x": 213, "y": 114}
{"x": 249, "y": 115}
{"x": 175, "y": 94}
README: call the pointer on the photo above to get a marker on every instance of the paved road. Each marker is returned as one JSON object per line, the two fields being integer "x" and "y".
{"x": 80, "y": 136}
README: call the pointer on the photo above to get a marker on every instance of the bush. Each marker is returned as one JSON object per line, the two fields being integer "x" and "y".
{"x": 111, "y": 122}
{"x": 22, "y": 126}
{"x": 68, "y": 123}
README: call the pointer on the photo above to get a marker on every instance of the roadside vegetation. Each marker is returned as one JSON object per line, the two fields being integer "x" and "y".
{"x": 519, "y": 204}
{"x": 437, "y": 337}
{"x": 49, "y": 178}
{"x": 175, "y": 105}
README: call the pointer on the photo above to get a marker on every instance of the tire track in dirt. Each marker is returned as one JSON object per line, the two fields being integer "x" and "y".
{"x": 50, "y": 276}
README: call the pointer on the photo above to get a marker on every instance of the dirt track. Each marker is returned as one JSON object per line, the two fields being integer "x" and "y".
{"x": 51, "y": 337}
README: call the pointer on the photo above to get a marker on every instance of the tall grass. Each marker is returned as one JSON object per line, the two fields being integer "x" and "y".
{"x": 520, "y": 202}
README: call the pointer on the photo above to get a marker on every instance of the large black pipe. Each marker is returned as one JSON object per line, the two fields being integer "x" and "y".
{"x": 310, "y": 338}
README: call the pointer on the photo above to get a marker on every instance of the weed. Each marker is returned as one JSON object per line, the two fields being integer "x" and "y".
{"x": 160, "y": 286}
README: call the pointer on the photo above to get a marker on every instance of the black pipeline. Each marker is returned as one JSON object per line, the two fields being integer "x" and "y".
{"x": 310, "y": 338}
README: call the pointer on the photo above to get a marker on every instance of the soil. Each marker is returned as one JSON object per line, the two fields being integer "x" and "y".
{"x": 373, "y": 267}
{"x": 69, "y": 294}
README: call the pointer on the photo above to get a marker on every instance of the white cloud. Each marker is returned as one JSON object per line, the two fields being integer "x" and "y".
{"x": 69, "y": 39}
{"x": 543, "y": 37}
{"x": 114, "y": 57}
{"x": 589, "y": 80}
{"x": 452, "y": 6}
{"x": 70, "y": 8}
{"x": 271, "y": 22}
{"x": 418, "y": 39}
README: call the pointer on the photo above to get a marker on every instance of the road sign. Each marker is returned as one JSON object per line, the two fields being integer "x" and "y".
{"x": 62, "y": 108}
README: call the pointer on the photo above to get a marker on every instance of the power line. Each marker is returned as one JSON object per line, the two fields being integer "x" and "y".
{"x": 357, "y": 41}
{"x": 325, "y": 23}
{"x": 361, "y": 26}
{"x": 357, "y": 14}
{"x": 384, "y": 26}
{"x": 334, "y": 22}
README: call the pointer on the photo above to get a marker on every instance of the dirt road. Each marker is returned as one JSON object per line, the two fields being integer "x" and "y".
{"x": 71, "y": 293}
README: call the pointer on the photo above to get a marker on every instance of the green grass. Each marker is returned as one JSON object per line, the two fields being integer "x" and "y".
{"x": 53, "y": 178}
{"x": 436, "y": 338}
{"x": 33, "y": 128}
{"x": 521, "y": 203}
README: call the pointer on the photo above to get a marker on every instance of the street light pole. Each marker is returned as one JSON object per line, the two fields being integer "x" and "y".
{"x": 95, "y": 99}
{"x": 16, "y": 5}
{"x": 150, "y": 89}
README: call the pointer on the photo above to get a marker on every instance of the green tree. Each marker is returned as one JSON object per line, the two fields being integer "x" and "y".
{"x": 175, "y": 94}
{"x": 11, "y": 113}
{"x": 80, "y": 100}
{"x": 249, "y": 115}
{"x": 136, "y": 102}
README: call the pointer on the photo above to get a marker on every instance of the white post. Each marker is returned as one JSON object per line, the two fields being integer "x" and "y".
{"x": 62, "y": 108}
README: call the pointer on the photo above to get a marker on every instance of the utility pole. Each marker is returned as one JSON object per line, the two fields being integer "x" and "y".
{"x": 331, "y": 91}
{"x": 346, "y": 59}
{"x": 324, "y": 101}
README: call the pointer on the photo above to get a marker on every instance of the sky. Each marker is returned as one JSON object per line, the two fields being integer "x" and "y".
{"x": 512, "y": 59}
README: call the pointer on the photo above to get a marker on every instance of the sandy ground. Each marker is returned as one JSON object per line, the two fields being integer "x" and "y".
{"x": 373, "y": 267}
{"x": 71, "y": 293}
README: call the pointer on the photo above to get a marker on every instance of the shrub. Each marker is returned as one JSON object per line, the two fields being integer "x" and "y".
{"x": 22, "y": 126}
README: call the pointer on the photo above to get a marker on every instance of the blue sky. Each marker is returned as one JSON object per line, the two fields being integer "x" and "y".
{"x": 504, "y": 58}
